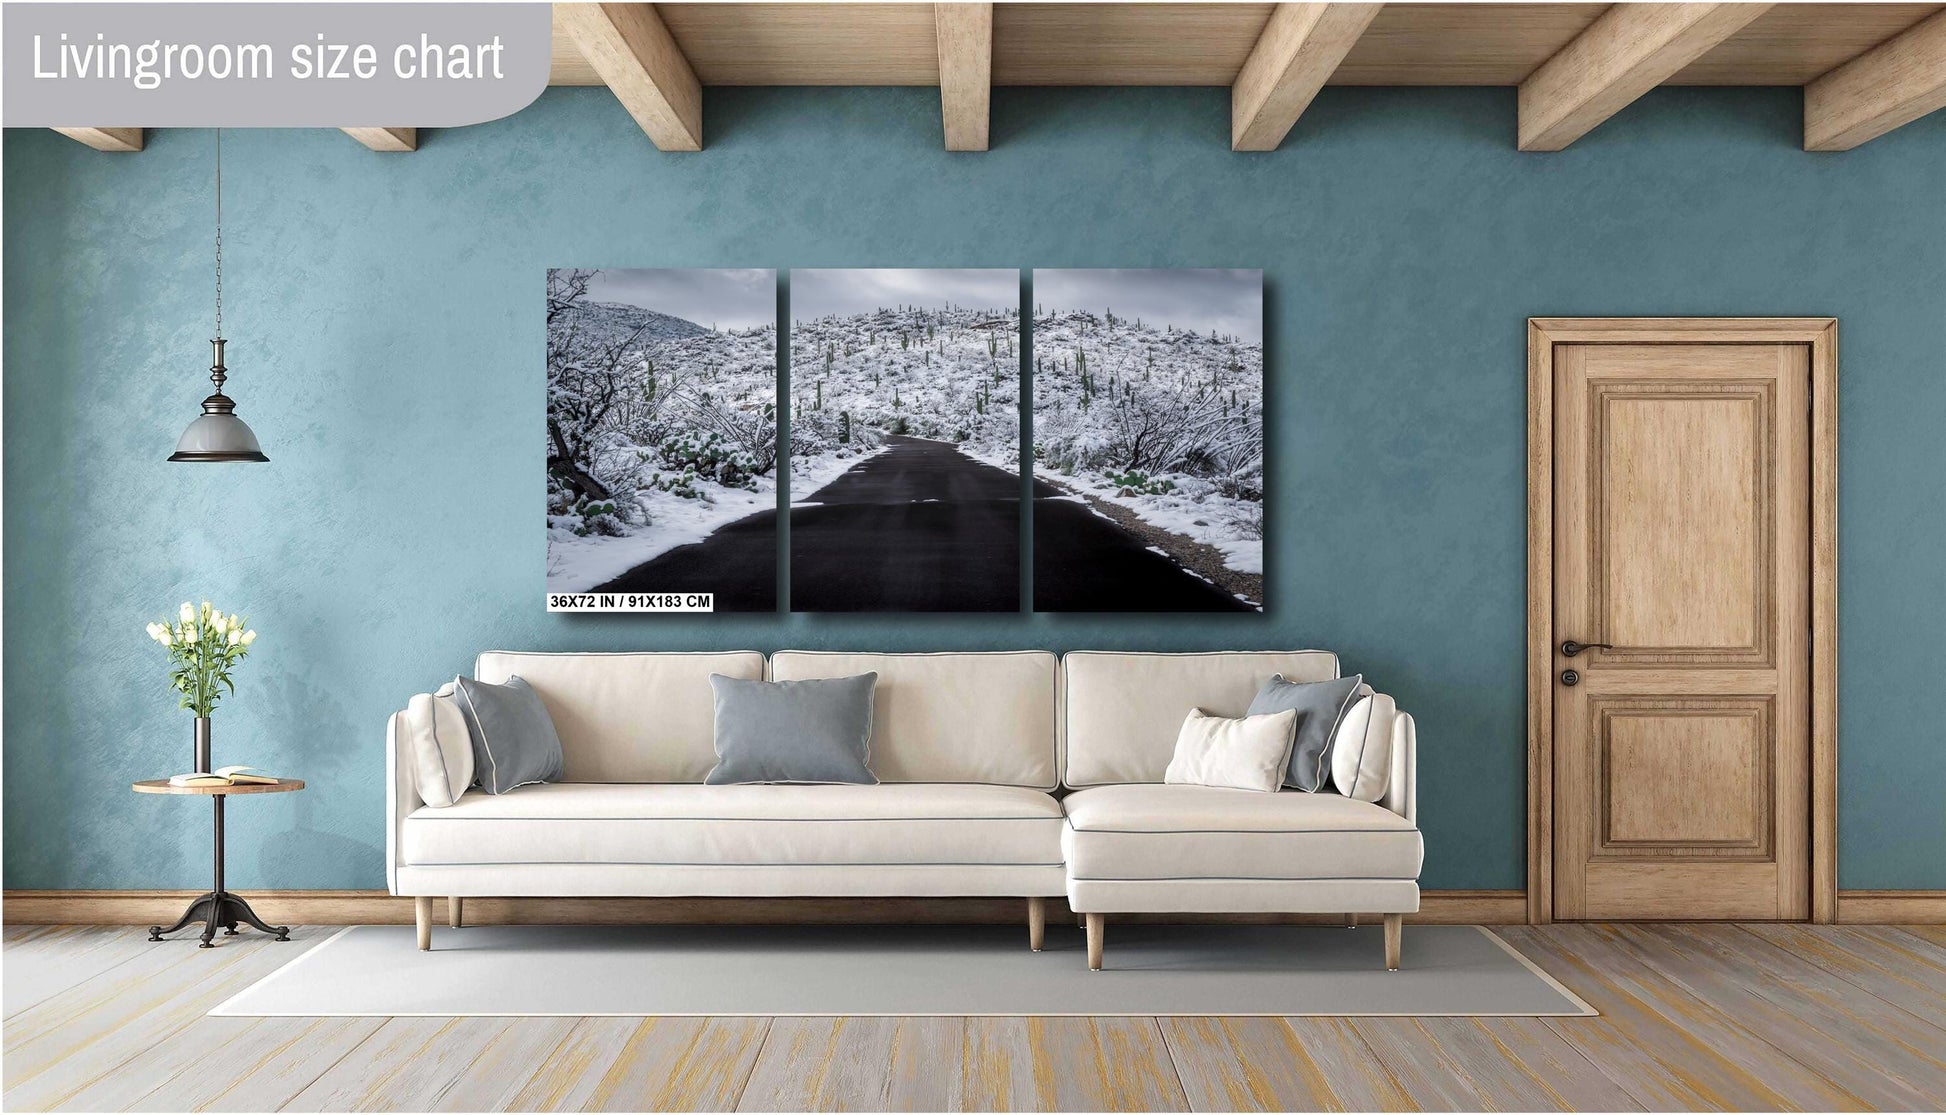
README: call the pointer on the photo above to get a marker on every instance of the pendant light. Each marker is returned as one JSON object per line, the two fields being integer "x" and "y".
{"x": 218, "y": 434}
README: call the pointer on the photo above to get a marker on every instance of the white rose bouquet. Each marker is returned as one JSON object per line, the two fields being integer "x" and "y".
{"x": 204, "y": 644}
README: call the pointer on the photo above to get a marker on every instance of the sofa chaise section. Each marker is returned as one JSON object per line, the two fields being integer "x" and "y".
{"x": 1136, "y": 845}
{"x": 1180, "y": 847}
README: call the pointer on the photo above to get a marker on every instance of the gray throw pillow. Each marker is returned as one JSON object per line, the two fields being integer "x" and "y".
{"x": 1319, "y": 706}
{"x": 793, "y": 731}
{"x": 514, "y": 743}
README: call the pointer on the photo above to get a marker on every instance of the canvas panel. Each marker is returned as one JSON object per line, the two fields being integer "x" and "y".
{"x": 905, "y": 440}
{"x": 661, "y": 439}
{"x": 1148, "y": 427}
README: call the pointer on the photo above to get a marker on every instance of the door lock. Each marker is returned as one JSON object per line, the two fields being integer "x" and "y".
{"x": 1570, "y": 677}
{"x": 1572, "y": 648}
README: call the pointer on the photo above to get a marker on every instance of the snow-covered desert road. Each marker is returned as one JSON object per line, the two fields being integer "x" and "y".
{"x": 1085, "y": 562}
{"x": 737, "y": 562}
{"x": 922, "y": 527}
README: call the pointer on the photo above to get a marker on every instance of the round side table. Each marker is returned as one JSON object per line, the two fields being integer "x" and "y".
{"x": 219, "y": 906}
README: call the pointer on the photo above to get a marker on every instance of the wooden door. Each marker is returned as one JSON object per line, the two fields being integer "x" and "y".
{"x": 1682, "y": 537}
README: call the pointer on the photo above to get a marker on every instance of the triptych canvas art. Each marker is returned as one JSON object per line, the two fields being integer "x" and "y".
{"x": 900, "y": 440}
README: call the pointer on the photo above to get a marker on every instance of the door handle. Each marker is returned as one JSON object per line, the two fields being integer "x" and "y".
{"x": 1572, "y": 648}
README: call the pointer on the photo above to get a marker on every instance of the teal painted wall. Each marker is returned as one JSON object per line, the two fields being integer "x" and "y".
{"x": 386, "y": 340}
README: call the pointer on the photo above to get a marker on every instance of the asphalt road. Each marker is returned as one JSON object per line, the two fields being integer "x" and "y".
{"x": 1085, "y": 562}
{"x": 922, "y": 527}
{"x": 737, "y": 562}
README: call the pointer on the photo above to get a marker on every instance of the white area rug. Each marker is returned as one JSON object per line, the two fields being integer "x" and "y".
{"x": 904, "y": 970}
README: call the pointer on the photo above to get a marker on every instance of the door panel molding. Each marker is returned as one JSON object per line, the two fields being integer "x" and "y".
{"x": 1612, "y": 453}
{"x": 1821, "y": 336}
{"x": 1723, "y": 793}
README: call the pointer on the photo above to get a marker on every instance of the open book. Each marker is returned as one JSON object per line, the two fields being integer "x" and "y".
{"x": 225, "y": 776}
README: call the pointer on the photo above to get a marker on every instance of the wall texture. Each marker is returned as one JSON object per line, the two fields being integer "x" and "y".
{"x": 386, "y": 338}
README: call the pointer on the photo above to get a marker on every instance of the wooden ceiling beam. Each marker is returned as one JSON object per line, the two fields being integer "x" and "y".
{"x": 1172, "y": 43}
{"x": 1297, "y": 53}
{"x": 641, "y": 64}
{"x": 1630, "y": 50}
{"x": 1886, "y": 87}
{"x": 106, "y": 139}
{"x": 965, "y": 34}
{"x": 385, "y": 139}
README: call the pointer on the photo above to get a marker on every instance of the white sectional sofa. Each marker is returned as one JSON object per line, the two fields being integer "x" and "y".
{"x": 1004, "y": 774}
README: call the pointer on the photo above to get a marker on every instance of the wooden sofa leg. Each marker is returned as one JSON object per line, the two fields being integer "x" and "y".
{"x": 454, "y": 908}
{"x": 1351, "y": 921}
{"x": 1095, "y": 927}
{"x": 1036, "y": 923}
{"x": 422, "y": 910}
{"x": 1394, "y": 928}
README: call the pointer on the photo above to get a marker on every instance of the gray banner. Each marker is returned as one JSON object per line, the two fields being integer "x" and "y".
{"x": 271, "y": 65}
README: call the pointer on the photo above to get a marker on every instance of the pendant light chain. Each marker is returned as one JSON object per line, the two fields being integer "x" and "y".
{"x": 219, "y": 232}
{"x": 218, "y": 434}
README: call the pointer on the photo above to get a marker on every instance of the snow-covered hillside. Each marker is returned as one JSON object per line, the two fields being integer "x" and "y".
{"x": 605, "y": 322}
{"x": 658, "y": 432}
{"x": 950, "y": 375}
{"x": 1164, "y": 421}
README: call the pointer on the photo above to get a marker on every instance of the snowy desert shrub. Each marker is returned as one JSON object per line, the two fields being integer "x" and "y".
{"x": 1249, "y": 486}
{"x": 681, "y": 484}
{"x": 708, "y": 455}
{"x": 599, "y": 517}
{"x": 560, "y": 496}
{"x": 808, "y": 441}
{"x": 1251, "y": 525}
{"x": 1137, "y": 483}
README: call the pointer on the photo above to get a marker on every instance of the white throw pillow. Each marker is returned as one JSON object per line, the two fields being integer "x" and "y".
{"x": 1361, "y": 752}
{"x": 1244, "y": 753}
{"x": 441, "y": 748}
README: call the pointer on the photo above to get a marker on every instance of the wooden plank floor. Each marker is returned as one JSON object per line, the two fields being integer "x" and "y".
{"x": 1767, "y": 1017}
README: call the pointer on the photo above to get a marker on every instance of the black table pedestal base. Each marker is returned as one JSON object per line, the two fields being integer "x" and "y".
{"x": 220, "y": 908}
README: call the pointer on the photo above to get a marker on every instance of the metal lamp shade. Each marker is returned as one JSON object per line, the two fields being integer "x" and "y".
{"x": 218, "y": 436}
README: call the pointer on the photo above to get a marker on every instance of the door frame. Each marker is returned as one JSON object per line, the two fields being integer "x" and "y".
{"x": 1821, "y": 334}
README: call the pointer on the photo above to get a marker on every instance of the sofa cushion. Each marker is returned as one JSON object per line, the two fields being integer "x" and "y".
{"x": 514, "y": 742}
{"x": 751, "y": 825}
{"x": 1319, "y": 707}
{"x": 1122, "y": 710}
{"x": 638, "y": 717}
{"x": 441, "y": 747}
{"x": 793, "y": 732}
{"x": 958, "y": 717}
{"x": 1241, "y": 753}
{"x": 1361, "y": 751}
{"x": 1201, "y": 832}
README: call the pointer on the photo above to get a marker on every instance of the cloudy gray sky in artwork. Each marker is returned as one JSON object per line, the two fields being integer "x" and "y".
{"x": 817, "y": 292}
{"x": 1230, "y": 302}
{"x": 723, "y": 297}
